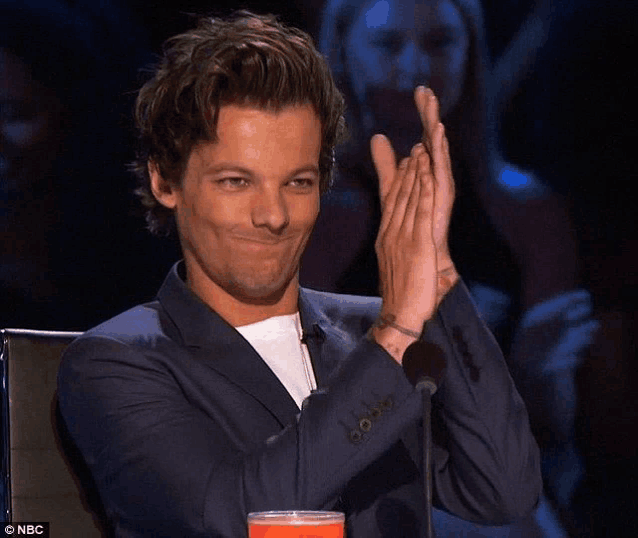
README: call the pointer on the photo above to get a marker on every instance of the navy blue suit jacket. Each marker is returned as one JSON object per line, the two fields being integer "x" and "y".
{"x": 186, "y": 430}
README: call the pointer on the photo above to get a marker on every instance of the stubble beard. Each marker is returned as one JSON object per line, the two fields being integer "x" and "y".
{"x": 251, "y": 286}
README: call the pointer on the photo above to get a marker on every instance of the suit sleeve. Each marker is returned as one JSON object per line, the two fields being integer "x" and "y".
{"x": 486, "y": 460}
{"x": 161, "y": 464}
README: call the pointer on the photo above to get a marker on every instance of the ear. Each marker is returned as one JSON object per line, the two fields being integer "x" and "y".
{"x": 165, "y": 192}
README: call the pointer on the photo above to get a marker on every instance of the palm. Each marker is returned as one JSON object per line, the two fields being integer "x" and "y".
{"x": 437, "y": 146}
{"x": 405, "y": 245}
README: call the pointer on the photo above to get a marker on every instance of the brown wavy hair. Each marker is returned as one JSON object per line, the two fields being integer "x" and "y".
{"x": 245, "y": 59}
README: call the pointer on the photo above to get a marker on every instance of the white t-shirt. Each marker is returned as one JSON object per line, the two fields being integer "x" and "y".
{"x": 278, "y": 342}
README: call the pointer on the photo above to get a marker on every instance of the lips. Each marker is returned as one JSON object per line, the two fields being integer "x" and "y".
{"x": 263, "y": 241}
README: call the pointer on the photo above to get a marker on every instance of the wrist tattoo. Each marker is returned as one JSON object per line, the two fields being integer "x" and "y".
{"x": 388, "y": 321}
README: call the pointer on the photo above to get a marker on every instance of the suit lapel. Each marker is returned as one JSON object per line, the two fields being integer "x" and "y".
{"x": 234, "y": 358}
{"x": 216, "y": 343}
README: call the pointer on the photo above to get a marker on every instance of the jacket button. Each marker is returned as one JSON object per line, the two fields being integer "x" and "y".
{"x": 365, "y": 424}
{"x": 355, "y": 436}
{"x": 457, "y": 334}
{"x": 387, "y": 403}
{"x": 375, "y": 413}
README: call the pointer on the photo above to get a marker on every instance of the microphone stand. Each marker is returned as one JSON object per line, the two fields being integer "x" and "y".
{"x": 424, "y": 365}
{"x": 427, "y": 389}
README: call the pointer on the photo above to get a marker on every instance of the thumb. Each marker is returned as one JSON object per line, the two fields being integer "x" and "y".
{"x": 385, "y": 163}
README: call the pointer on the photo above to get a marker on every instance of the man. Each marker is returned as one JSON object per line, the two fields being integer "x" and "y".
{"x": 237, "y": 390}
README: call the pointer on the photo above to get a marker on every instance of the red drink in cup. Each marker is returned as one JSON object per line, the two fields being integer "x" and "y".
{"x": 296, "y": 524}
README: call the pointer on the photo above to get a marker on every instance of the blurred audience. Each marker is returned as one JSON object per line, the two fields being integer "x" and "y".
{"x": 165, "y": 19}
{"x": 572, "y": 107}
{"x": 70, "y": 248}
{"x": 511, "y": 236}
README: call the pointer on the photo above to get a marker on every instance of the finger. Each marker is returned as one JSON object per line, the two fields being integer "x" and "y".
{"x": 443, "y": 182}
{"x": 570, "y": 351}
{"x": 407, "y": 227}
{"x": 387, "y": 207}
{"x": 572, "y": 307}
{"x": 398, "y": 209}
{"x": 439, "y": 156}
{"x": 428, "y": 108}
{"x": 432, "y": 110}
{"x": 421, "y": 98}
{"x": 448, "y": 164}
{"x": 385, "y": 163}
{"x": 424, "y": 213}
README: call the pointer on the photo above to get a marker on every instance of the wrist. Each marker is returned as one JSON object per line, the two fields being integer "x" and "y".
{"x": 384, "y": 321}
{"x": 446, "y": 277}
{"x": 394, "y": 342}
{"x": 392, "y": 336}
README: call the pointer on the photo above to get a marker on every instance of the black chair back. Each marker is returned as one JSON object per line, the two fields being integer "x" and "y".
{"x": 43, "y": 476}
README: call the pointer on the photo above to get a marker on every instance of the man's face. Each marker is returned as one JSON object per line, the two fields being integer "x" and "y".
{"x": 395, "y": 45}
{"x": 248, "y": 203}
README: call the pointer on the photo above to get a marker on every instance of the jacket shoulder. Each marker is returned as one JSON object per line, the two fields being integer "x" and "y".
{"x": 348, "y": 312}
{"x": 340, "y": 302}
{"x": 138, "y": 325}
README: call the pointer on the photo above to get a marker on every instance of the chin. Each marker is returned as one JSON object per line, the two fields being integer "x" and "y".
{"x": 259, "y": 293}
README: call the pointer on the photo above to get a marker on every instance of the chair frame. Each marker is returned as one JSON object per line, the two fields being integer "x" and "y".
{"x": 6, "y": 338}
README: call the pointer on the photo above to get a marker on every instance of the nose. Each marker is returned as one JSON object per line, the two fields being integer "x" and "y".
{"x": 270, "y": 210}
{"x": 413, "y": 66}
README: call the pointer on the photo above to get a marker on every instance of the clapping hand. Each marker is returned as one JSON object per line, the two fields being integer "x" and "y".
{"x": 415, "y": 268}
{"x": 438, "y": 147}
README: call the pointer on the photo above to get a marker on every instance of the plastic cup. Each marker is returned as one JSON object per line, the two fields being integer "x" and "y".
{"x": 296, "y": 524}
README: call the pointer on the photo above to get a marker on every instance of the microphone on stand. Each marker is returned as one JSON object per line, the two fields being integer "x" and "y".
{"x": 424, "y": 365}
{"x": 315, "y": 333}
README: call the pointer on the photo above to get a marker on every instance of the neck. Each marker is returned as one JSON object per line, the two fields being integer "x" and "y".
{"x": 238, "y": 310}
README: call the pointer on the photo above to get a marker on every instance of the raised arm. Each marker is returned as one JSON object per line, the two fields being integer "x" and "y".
{"x": 485, "y": 446}
{"x": 415, "y": 267}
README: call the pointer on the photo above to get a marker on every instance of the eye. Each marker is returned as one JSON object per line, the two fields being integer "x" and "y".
{"x": 305, "y": 183}
{"x": 232, "y": 182}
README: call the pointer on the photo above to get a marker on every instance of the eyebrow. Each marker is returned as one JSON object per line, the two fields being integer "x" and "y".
{"x": 228, "y": 167}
